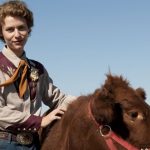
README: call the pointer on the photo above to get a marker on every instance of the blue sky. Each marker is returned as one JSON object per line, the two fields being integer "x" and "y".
{"x": 79, "y": 40}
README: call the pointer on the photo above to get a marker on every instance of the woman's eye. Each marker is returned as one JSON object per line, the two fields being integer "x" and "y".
{"x": 10, "y": 29}
{"x": 22, "y": 28}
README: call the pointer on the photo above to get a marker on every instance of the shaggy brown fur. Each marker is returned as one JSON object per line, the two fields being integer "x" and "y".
{"x": 115, "y": 104}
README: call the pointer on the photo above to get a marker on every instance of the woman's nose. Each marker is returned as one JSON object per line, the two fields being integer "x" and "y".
{"x": 17, "y": 33}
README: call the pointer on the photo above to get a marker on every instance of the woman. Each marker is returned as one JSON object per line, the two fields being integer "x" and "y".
{"x": 24, "y": 83}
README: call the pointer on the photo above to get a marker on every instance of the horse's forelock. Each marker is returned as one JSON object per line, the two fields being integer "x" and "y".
{"x": 116, "y": 80}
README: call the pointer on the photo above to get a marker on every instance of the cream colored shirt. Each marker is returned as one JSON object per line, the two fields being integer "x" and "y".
{"x": 16, "y": 111}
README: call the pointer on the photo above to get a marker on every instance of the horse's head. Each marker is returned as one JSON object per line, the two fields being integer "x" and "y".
{"x": 124, "y": 108}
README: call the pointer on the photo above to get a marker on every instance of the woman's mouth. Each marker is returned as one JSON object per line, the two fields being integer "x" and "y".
{"x": 18, "y": 42}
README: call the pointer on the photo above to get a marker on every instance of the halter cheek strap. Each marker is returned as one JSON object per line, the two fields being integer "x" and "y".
{"x": 110, "y": 136}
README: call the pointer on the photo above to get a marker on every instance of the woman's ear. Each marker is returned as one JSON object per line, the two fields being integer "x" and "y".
{"x": 29, "y": 32}
{"x": 1, "y": 33}
{"x": 1, "y": 36}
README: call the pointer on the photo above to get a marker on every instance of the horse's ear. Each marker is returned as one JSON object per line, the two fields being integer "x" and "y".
{"x": 102, "y": 93}
{"x": 107, "y": 93}
{"x": 108, "y": 87}
{"x": 141, "y": 93}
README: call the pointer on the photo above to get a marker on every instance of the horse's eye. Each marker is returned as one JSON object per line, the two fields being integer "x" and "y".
{"x": 134, "y": 114}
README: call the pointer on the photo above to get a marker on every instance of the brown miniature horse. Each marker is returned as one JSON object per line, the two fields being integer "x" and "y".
{"x": 114, "y": 117}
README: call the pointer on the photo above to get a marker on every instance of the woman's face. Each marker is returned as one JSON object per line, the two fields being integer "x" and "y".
{"x": 15, "y": 32}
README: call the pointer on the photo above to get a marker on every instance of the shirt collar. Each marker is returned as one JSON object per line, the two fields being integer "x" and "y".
{"x": 12, "y": 56}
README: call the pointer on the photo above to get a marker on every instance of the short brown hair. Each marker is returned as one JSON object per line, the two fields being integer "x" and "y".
{"x": 15, "y": 8}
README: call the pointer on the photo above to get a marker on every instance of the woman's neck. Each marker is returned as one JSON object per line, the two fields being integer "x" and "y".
{"x": 18, "y": 53}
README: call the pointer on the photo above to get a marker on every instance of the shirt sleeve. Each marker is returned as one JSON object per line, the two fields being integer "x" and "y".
{"x": 53, "y": 96}
{"x": 32, "y": 124}
{"x": 15, "y": 120}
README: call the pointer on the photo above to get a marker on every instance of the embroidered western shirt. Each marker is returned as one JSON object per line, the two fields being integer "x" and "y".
{"x": 24, "y": 113}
